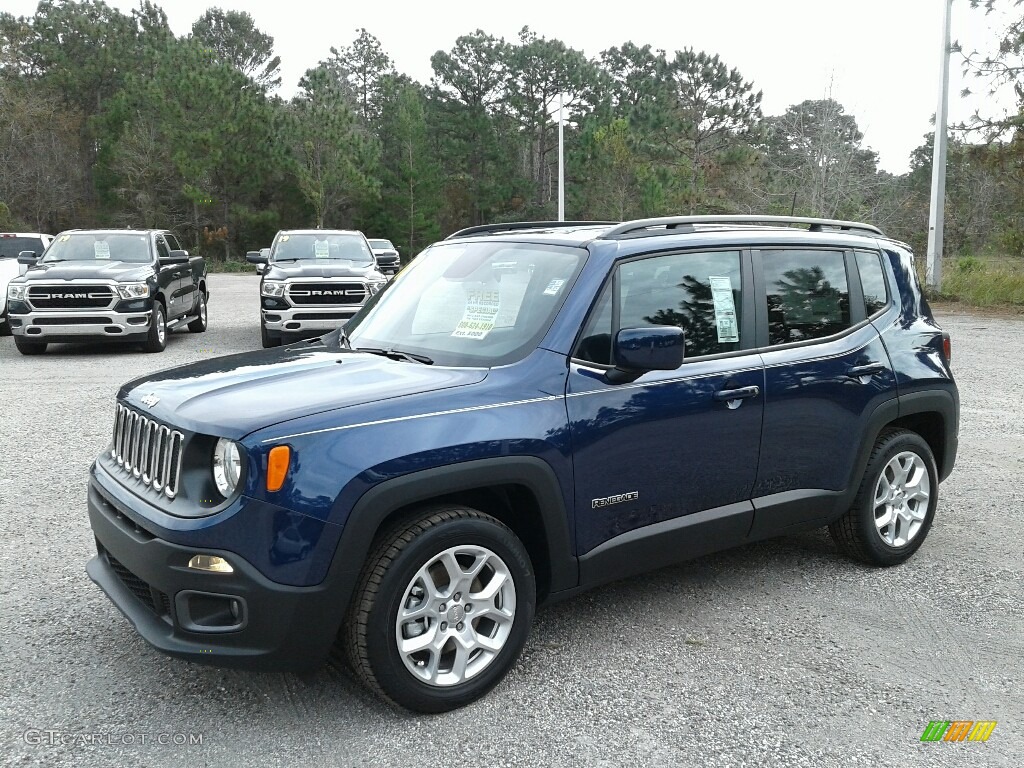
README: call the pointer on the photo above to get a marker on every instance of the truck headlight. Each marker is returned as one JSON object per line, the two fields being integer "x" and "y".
{"x": 227, "y": 466}
{"x": 375, "y": 285}
{"x": 133, "y": 290}
{"x": 16, "y": 292}
{"x": 271, "y": 288}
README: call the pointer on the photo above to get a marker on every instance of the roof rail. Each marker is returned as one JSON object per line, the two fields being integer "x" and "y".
{"x": 631, "y": 228}
{"x": 513, "y": 226}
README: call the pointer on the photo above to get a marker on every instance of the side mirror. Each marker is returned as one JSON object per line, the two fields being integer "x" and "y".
{"x": 256, "y": 257}
{"x": 175, "y": 257}
{"x": 639, "y": 350}
{"x": 28, "y": 257}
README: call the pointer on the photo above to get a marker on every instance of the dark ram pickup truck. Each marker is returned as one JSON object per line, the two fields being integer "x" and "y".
{"x": 314, "y": 280}
{"x": 107, "y": 285}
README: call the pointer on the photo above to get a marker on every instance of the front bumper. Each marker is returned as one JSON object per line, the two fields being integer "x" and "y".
{"x": 278, "y": 627}
{"x": 302, "y": 320}
{"x": 95, "y": 324}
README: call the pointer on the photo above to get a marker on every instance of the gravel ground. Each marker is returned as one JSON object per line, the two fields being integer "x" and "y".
{"x": 779, "y": 653}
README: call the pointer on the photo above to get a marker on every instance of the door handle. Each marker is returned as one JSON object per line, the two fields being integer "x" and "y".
{"x": 865, "y": 371}
{"x": 734, "y": 397}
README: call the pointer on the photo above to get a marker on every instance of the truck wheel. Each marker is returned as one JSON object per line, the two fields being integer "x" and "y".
{"x": 268, "y": 340}
{"x": 199, "y": 324}
{"x": 5, "y": 328}
{"x": 29, "y": 347}
{"x": 156, "y": 340}
{"x": 442, "y": 609}
{"x": 895, "y": 504}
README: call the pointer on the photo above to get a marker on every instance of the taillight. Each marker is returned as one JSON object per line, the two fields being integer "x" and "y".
{"x": 947, "y": 348}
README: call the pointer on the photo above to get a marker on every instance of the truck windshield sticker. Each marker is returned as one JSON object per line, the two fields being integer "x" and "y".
{"x": 101, "y": 249}
{"x": 65, "y": 238}
{"x": 321, "y": 249}
{"x": 480, "y": 315}
{"x": 725, "y": 309}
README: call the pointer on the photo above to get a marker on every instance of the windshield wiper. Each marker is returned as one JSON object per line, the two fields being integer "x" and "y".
{"x": 395, "y": 354}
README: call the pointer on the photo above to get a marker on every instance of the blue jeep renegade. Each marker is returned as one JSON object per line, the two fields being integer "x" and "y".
{"x": 526, "y": 411}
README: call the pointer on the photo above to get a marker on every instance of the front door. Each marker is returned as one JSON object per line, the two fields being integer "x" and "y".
{"x": 671, "y": 443}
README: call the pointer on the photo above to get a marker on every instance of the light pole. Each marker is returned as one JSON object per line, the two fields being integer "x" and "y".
{"x": 561, "y": 163}
{"x": 937, "y": 209}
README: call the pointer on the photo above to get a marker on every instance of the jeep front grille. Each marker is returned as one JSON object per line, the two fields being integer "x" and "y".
{"x": 323, "y": 294}
{"x": 147, "y": 450}
{"x": 71, "y": 296}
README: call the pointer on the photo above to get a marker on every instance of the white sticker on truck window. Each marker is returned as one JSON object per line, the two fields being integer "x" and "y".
{"x": 101, "y": 249}
{"x": 725, "y": 309}
{"x": 321, "y": 249}
{"x": 480, "y": 315}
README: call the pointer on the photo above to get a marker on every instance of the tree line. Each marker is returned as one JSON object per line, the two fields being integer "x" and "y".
{"x": 109, "y": 119}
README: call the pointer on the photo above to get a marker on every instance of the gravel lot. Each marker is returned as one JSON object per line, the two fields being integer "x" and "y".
{"x": 779, "y": 653}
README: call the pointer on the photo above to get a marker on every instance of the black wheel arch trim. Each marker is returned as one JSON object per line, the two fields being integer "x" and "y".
{"x": 382, "y": 501}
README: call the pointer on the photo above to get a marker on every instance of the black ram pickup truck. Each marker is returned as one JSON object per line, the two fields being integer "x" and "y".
{"x": 122, "y": 285}
{"x": 314, "y": 280}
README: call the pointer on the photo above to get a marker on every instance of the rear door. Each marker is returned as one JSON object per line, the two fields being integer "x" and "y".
{"x": 826, "y": 370}
{"x": 671, "y": 443}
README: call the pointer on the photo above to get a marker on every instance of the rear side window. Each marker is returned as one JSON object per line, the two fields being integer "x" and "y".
{"x": 872, "y": 280}
{"x": 807, "y": 293}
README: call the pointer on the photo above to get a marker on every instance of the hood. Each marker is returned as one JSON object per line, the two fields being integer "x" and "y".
{"x": 320, "y": 268}
{"x": 235, "y": 395}
{"x": 89, "y": 270}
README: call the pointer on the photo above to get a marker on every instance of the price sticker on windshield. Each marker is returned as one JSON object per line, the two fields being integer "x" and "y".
{"x": 725, "y": 309}
{"x": 101, "y": 249}
{"x": 480, "y": 316}
{"x": 321, "y": 249}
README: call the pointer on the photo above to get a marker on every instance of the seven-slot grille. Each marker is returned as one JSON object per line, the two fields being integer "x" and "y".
{"x": 320, "y": 294}
{"x": 71, "y": 296}
{"x": 147, "y": 450}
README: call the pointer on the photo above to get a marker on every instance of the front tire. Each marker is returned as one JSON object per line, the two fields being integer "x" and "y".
{"x": 29, "y": 347}
{"x": 199, "y": 324}
{"x": 895, "y": 504}
{"x": 156, "y": 340}
{"x": 442, "y": 610}
{"x": 267, "y": 340}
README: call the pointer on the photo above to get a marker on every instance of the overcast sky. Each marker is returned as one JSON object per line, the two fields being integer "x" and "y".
{"x": 879, "y": 58}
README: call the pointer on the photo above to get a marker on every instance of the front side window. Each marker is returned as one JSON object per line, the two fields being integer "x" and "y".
{"x": 161, "y": 248}
{"x": 698, "y": 292}
{"x": 322, "y": 246}
{"x": 99, "y": 246}
{"x": 807, "y": 293}
{"x": 470, "y": 304}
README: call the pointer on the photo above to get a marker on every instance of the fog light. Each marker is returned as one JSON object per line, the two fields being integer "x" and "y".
{"x": 210, "y": 563}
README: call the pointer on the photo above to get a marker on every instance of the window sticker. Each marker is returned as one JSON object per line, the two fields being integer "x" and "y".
{"x": 101, "y": 249}
{"x": 481, "y": 313}
{"x": 321, "y": 249}
{"x": 284, "y": 239}
{"x": 554, "y": 287}
{"x": 725, "y": 309}
{"x": 65, "y": 238}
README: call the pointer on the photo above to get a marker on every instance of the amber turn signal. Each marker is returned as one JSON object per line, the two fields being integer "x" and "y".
{"x": 277, "y": 466}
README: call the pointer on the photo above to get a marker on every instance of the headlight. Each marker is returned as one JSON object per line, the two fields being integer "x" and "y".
{"x": 375, "y": 285}
{"x": 227, "y": 466}
{"x": 133, "y": 290}
{"x": 16, "y": 292}
{"x": 271, "y": 288}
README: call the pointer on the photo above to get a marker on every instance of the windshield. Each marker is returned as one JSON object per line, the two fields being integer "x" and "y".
{"x": 382, "y": 245}
{"x": 11, "y": 246}
{"x": 322, "y": 246}
{"x": 100, "y": 246}
{"x": 470, "y": 304}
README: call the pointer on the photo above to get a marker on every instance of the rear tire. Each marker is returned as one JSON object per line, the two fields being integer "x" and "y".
{"x": 29, "y": 347}
{"x": 199, "y": 324}
{"x": 465, "y": 587}
{"x": 268, "y": 340}
{"x": 156, "y": 340}
{"x": 895, "y": 504}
